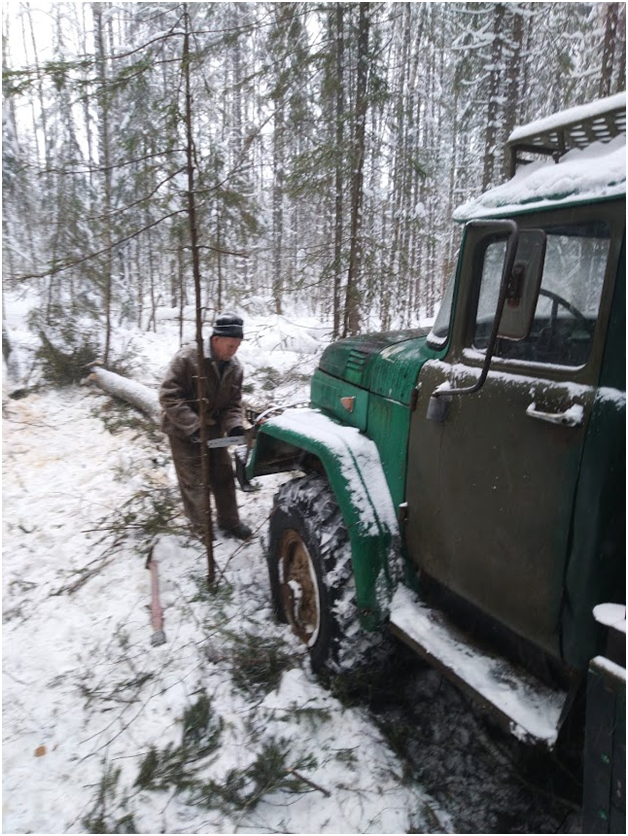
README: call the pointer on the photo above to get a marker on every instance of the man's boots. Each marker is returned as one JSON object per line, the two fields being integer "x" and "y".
{"x": 240, "y": 531}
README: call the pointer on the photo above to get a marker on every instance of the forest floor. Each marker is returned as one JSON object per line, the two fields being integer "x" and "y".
{"x": 223, "y": 728}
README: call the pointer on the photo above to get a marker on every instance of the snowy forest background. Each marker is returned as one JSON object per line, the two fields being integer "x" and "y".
{"x": 315, "y": 150}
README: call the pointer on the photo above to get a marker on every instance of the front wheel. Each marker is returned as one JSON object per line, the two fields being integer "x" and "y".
{"x": 311, "y": 576}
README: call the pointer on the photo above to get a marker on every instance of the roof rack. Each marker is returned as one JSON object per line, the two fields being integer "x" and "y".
{"x": 578, "y": 127}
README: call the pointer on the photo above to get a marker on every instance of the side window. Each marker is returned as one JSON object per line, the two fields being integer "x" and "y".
{"x": 569, "y": 299}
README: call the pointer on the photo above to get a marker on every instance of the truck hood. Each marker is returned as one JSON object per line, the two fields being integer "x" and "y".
{"x": 385, "y": 364}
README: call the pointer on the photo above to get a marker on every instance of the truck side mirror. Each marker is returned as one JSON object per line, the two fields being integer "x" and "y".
{"x": 522, "y": 285}
{"x": 522, "y": 270}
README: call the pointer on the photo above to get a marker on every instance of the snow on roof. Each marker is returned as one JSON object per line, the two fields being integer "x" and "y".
{"x": 581, "y": 113}
{"x": 582, "y": 175}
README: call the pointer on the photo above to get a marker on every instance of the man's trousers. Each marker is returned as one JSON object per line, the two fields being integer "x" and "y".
{"x": 187, "y": 462}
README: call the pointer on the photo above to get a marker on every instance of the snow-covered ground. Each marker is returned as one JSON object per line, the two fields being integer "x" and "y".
{"x": 246, "y": 739}
{"x": 223, "y": 728}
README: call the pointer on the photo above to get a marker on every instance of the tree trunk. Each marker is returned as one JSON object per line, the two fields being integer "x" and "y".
{"x": 196, "y": 270}
{"x": 338, "y": 15}
{"x": 513, "y": 79}
{"x": 611, "y": 27}
{"x": 352, "y": 305}
{"x": 494, "y": 89}
{"x": 278, "y": 195}
{"x": 181, "y": 279}
{"x": 105, "y": 164}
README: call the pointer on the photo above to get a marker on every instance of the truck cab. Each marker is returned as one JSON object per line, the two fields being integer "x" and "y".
{"x": 515, "y": 497}
{"x": 463, "y": 486}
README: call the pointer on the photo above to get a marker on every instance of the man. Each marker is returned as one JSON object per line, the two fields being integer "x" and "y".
{"x": 178, "y": 397}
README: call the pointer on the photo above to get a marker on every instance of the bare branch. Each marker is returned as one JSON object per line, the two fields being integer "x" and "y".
{"x": 140, "y": 200}
{"x": 61, "y": 268}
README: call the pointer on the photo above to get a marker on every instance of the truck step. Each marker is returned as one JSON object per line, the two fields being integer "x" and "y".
{"x": 524, "y": 705}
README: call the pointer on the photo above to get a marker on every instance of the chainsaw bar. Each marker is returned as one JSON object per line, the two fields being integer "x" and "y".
{"x": 226, "y": 442}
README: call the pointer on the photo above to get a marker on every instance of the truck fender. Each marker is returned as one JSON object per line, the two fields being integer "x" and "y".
{"x": 353, "y": 468}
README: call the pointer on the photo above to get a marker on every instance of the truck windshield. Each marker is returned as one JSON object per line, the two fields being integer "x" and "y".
{"x": 569, "y": 299}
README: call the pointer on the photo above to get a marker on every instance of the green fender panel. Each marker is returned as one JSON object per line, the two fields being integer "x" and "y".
{"x": 353, "y": 468}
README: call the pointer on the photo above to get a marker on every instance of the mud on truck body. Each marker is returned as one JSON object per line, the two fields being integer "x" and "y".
{"x": 464, "y": 486}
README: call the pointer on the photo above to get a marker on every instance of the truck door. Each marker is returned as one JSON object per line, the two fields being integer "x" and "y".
{"x": 491, "y": 488}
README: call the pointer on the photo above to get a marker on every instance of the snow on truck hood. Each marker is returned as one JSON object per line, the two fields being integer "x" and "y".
{"x": 594, "y": 173}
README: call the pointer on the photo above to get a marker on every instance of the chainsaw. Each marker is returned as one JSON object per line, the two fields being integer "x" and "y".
{"x": 243, "y": 443}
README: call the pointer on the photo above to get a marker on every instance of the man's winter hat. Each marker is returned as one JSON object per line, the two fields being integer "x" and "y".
{"x": 228, "y": 325}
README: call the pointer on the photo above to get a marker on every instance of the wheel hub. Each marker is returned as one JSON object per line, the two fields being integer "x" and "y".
{"x": 299, "y": 587}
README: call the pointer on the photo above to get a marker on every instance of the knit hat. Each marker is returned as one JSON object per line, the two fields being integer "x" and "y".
{"x": 228, "y": 325}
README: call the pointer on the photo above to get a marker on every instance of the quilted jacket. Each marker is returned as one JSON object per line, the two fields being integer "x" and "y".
{"x": 179, "y": 400}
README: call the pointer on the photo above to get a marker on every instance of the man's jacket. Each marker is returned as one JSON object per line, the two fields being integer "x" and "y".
{"x": 179, "y": 400}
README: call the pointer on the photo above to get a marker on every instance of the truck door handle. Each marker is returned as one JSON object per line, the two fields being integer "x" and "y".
{"x": 571, "y": 417}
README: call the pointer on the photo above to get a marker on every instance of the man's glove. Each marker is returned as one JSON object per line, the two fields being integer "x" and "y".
{"x": 236, "y": 431}
{"x": 195, "y": 438}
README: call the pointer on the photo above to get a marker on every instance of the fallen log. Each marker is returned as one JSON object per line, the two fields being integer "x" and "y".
{"x": 145, "y": 399}
{"x": 137, "y": 394}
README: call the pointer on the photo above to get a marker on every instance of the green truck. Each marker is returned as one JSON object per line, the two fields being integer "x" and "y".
{"x": 463, "y": 486}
